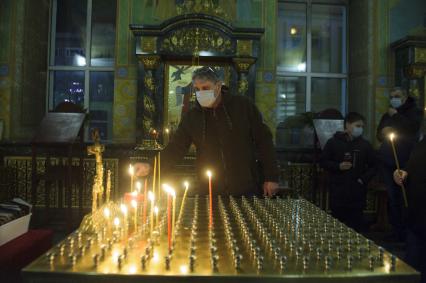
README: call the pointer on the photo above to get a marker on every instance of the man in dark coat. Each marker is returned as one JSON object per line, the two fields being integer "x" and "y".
{"x": 351, "y": 162}
{"x": 414, "y": 177}
{"x": 229, "y": 135}
{"x": 402, "y": 118}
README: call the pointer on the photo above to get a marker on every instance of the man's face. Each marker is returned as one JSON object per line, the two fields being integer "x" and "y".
{"x": 201, "y": 84}
{"x": 398, "y": 94}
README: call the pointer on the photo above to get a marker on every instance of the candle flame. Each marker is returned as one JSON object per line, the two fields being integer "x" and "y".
{"x": 167, "y": 130}
{"x": 151, "y": 196}
{"x": 131, "y": 170}
{"x": 134, "y": 203}
{"x": 107, "y": 212}
{"x": 156, "y": 209}
{"x": 186, "y": 184}
{"x": 391, "y": 136}
{"x": 209, "y": 173}
{"x": 138, "y": 186}
{"x": 123, "y": 208}
{"x": 167, "y": 188}
{"x": 116, "y": 221}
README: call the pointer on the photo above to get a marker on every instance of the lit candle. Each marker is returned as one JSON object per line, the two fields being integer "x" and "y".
{"x": 107, "y": 214}
{"x": 138, "y": 187}
{"x": 151, "y": 220}
{"x": 123, "y": 209}
{"x": 145, "y": 199}
{"x": 116, "y": 223}
{"x": 173, "y": 193}
{"x": 395, "y": 156}
{"x": 209, "y": 174}
{"x": 186, "y": 184}
{"x": 132, "y": 173}
{"x": 134, "y": 204}
{"x": 159, "y": 175}
{"x": 169, "y": 192}
{"x": 154, "y": 175}
{"x": 156, "y": 215}
{"x": 166, "y": 135}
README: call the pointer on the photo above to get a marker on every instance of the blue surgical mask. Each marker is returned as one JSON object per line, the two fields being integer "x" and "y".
{"x": 396, "y": 102}
{"x": 357, "y": 131}
{"x": 206, "y": 98}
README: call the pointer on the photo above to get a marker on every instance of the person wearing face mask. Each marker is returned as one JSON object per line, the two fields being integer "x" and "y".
{"x": 351, "y": 162}
{"x": 230, "y": 137}
{"x": 403, "y": 118}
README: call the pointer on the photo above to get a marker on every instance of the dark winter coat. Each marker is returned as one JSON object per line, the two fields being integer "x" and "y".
{"x": 345, "y": 188}
{"x": 406, "y": 124}
{"x": 228, "y": 140}
{"x": 416, "y": 189}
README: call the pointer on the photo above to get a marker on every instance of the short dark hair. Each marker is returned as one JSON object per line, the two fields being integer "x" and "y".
{"x": 402, "y": 90}
{"x": 206, "y": 73}
{"x": 352, "y": 117}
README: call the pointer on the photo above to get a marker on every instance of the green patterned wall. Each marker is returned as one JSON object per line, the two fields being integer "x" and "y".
{"x": 391, "y": 24}
{"x": 251, "y": 13}
{"x": 7, "y": 14}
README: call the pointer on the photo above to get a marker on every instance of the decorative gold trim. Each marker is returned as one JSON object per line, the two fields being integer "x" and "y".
{"x": 419, "y": 55}
{"x": 193, "y": 40}
{"x": 243, "y": 64}
{"x": 244, "y": 47}
{"x": 415, "y": 71}
{"x": 150, "y": 62}
{"x": 148, "y": 44}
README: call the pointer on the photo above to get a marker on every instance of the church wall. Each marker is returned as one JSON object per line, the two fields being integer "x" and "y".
{"x": 374, "y": 25}
{"x": 250, "y": 13}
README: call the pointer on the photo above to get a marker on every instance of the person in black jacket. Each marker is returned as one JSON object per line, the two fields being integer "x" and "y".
{"x": 414, "y": 178}
{"x": 402, "y": 118}
{"x": 351, "y": 163}
{"x": 229, "y": 135}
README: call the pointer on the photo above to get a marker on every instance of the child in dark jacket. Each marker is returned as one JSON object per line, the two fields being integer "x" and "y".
{"x": 351, "y": 162}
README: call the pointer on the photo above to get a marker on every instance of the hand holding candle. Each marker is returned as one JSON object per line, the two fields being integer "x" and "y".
{"x": 395, "y": 156}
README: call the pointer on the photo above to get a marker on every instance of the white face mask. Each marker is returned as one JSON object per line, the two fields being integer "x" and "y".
{"x": 206, "y": 98}
{"x": 357, "y": 131}
{"x": 396, "y": 102}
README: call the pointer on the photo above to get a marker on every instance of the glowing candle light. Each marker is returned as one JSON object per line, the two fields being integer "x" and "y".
{"x": 166, "y": 135}
{"x": 151, "y": 198}
{"x": 169, "y": 191}
{"x": 124, "y": 211}
{"x": 138, "y": 187}
{"x": 107, "y": 214}
{"x": 116, "y": 222}
{"x": 209, "y": 174}
{"x": 159, "y": 175}
{"x": 186, "y": 184}
{"x": 156, "y": 215}
{"x": 395, "y": 156}
{"x": 134, "y": 204}
{"x": 154, "y": 175}
{"x": 132, "y": 174}
{"x": 173, "y": 193}
{"x": 145, "y": 200}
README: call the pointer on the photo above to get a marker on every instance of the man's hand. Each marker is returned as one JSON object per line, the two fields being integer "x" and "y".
{"x": 270, "y": 189}
{"x": 345, "y": 165}
{"x": 141, "y": 169}
{"x": 399, "y": 176}
{"x": 392, "y": 111}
